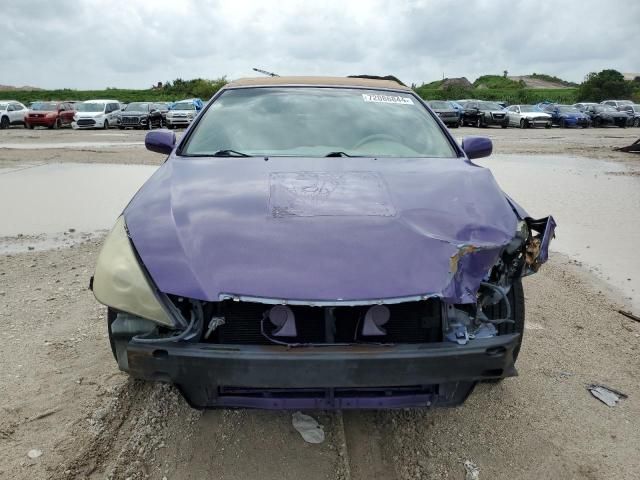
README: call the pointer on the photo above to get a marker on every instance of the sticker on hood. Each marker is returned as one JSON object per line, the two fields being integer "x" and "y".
{"x": 382, "y": 98}
{"x": 310, "y": 194}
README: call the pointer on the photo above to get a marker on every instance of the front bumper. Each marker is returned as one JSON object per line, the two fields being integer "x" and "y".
{"x": 365, "y": 376}
{"x": 41, "y": 121}
{"x": 178, "y": 120}
{"x": 87, "y": 123}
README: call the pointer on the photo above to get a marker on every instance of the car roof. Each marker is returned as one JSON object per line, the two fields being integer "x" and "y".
{"x": 317, "y": 81}
{"x": 101, "y": 101}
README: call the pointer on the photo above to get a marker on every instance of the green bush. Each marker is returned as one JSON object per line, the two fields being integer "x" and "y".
{"x": 171, "y": 91}
{"x": 497, "y": 82}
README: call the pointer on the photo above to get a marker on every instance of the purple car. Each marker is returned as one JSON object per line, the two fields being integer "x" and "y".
{"x": 319, "y": 243}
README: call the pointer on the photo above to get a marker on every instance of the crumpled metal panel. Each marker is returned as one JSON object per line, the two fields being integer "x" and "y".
{"x": 370, "y": 229}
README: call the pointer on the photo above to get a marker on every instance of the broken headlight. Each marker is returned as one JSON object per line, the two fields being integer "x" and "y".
{"x": 120, "y": 282}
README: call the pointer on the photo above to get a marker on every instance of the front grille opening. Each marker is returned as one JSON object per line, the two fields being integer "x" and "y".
{"x": 411, "y": 322}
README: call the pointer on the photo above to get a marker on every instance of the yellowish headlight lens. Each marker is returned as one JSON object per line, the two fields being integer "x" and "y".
{"x": 119, "y": 281}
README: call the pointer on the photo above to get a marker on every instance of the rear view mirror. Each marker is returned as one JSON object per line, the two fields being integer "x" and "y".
{"x": 477, "y": 147}
{"x": 160, "y": 141}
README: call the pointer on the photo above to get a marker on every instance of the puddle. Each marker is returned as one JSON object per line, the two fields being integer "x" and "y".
{"x": 42, "y": 202}
{"x": 595, "y": 204}
{"x": 67, "y": 145}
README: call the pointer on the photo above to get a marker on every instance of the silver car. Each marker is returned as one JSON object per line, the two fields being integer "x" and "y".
{"x": 526, "y": 116}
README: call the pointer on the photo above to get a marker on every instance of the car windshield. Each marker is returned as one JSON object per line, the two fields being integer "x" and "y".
{"x": 490, "y": 106}
{"x": 137, "y": 107}
{"x": 605, "y": 108}
{"x": 316, "y": 122}
{"x": 90, "y": 107}
{"x": 440, "y": 105}
{"x": 45, "y": 107}
{"x": 184, "y": 106}
{"x": 566, "y": 109}
{"x": 527, "y": 108}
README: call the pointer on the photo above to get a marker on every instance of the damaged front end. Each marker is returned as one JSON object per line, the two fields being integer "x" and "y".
{"x": 423, "y": 350}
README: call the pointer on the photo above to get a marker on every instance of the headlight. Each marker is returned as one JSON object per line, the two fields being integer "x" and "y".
{"x": 75, "y": 118}
{"x": 120, "y": 282}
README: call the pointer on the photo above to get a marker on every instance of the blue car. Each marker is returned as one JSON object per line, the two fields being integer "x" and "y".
{"x": 458, "y": 108}
{"x": 565, "y": 116}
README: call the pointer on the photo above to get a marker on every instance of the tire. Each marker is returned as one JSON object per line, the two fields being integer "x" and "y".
{"x": 516, "y": 300}
{"x": 479, "y": 122}
{"x": 31, "y": 126}
{"x": 636, "y": 122}
{"x": 5, "y": 123}
{"x": 111, "y": 317}
{"x": 523, "y": 123}
{"x": 548, "y": 125}
{"x": 57, "y": 124}
{"x": 120, "y": 127}
{"x": 105, "y": 125}
{"x": 504, "y": 125}
{"x": 597, "y": 123}
{"x": 563, "y": 123}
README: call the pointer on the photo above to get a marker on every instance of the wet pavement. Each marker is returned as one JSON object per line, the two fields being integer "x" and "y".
{"x": 595, "y": 203}
{"x": 46, "y": 201}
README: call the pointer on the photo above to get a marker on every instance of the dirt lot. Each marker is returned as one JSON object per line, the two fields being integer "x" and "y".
{"x": 63, "y": 395}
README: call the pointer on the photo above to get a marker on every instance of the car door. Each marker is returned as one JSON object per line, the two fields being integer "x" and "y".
{"x": 513, "y": 114}
{"x": 16, "y": 112}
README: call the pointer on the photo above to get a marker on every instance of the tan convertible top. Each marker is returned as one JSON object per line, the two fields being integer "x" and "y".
{"x": 319, "y": 81}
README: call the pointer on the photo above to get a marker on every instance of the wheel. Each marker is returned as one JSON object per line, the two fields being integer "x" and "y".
{"x": 523, "y": 123}
{"x": 31, "y": 126}
{"x": 149, "y": 124}
{"x": 479, "y": 122}
{"x": 4, "y": 123}
{"x": 105, "y": 125}
{"x": 597, "y": 122}
{"x": 120, "y": 127}
{"x": 24, "y": 124}
{"x": 548, "y": 125}
{"x": 516, "y": 301}
{"x": 57, "y": 124}
{"x": 636, "y": 122}
{"x": 563, "y": 123}
{"x": 504, "y": 125}
{"x": 111, "y": 317}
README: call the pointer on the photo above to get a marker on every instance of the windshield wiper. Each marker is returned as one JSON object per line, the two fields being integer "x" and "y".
{"x": 337, "y": 154}
{"x": 229, "y": 153}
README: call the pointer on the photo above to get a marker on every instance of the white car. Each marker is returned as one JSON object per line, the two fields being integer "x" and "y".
{"x": 11, "y": 113}
{"x": 96, "y": 114}
{"x": 617, "y": 104}
{"x": 181, "y": 114}
{"x": 525, "y": 116}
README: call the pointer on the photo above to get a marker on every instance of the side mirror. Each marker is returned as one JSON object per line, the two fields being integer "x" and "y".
{"x": 160, "y": 141}
{"x": 477, "y": 147}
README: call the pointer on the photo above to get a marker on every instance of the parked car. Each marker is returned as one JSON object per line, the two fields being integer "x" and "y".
{"x": 604, "y": 115}
{"x": 12, "y": 113}
{"x": 181, "y": 114}
{"x": 446, "y": 112}
{"x": 260, "y": 265}
{"x": 140, "y": 115}
{"x": 96, "y": 114}
{"x": 616, "y": 103}
{"x": 458, "y": 108}
{"x": 525, "y": 116}
{"x": 49, "y": 114}
{"x": 164, "y": 108}
{"x": 484, "y": 114}
{"x": 634, "y": 113}
{"x": 566, "y": 116}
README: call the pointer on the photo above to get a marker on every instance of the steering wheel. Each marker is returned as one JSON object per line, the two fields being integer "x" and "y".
{"x": 374, "y": 138}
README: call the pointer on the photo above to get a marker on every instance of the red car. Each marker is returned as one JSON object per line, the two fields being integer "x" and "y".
{"x": 49, "y": 114}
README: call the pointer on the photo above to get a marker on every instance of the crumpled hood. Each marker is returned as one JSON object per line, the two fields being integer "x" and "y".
{"x": 320, "y": 229}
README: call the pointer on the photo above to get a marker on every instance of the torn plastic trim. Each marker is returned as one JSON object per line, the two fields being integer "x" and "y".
{"x": 537, "y": 246}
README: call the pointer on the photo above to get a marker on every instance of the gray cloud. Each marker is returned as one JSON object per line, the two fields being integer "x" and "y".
{"x": 119, "y": 43}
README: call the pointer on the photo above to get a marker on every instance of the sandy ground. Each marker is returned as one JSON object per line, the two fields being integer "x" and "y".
{"x": 63, "y": 394}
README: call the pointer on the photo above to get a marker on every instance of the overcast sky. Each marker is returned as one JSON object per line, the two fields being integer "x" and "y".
{"x": 127, "y": 43}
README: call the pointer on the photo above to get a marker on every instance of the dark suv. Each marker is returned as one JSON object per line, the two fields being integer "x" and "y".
{"x": 140, "y": 115}
{"x": 484, "y": 114}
